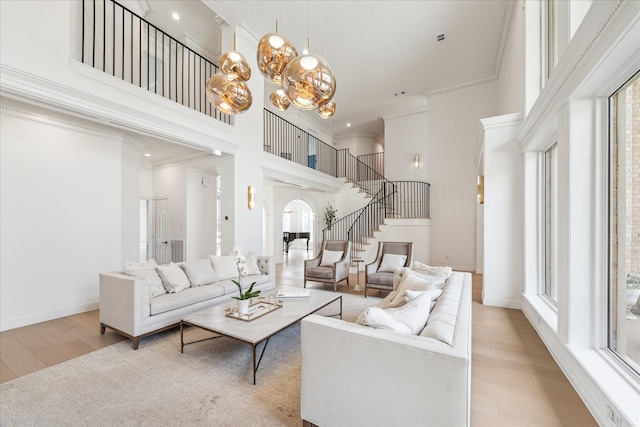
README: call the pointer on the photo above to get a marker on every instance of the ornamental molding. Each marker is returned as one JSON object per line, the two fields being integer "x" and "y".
{"x": 34, "y": 90}
{"x": 506, "y": 120}
{"x": 605, "y": 22}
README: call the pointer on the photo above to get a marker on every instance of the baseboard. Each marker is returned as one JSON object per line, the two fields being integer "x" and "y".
{"x": 599, "y": 401}
{"x": 18, "y": 322}
{"x": 505, "y": 303}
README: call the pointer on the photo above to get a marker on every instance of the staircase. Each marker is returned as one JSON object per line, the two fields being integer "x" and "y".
{"x": 389, "y": 199}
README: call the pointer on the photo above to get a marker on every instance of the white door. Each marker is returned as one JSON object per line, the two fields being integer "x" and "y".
{"x": 161, "y": 231}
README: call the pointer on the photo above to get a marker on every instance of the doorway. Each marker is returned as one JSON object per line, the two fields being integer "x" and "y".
{"x": 297, "y": 226}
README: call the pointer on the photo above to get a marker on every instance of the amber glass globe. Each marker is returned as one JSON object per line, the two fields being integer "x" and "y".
{"x": 235, "y": 65}
{"x": 274, "y": 54}
{"x": 228, "y": 95}
{"x": 308, "y": 82}
{"x": 327, "y": 110}
{"x": 279, "y": 99}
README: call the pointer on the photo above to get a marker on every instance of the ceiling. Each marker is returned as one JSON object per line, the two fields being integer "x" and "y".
{"x": 384, "y": 54}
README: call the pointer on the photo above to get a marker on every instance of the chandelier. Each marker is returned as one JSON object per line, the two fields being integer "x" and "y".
{"x": 228, "y": 90}
{"x": 305, "y": 81}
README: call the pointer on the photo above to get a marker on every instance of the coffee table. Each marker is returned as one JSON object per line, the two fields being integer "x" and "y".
{"x": 259, "y": 330}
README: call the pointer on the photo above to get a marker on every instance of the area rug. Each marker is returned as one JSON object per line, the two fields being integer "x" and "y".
{"x": 210, "y": 384}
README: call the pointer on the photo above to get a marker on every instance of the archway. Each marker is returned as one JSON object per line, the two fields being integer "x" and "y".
{"x": 297, "y": 226}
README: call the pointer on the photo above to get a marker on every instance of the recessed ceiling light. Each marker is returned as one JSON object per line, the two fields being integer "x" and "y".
{"x": 175, "y": 16}
{"x": 147, "y": 154}
{"x": 348, "y": 125}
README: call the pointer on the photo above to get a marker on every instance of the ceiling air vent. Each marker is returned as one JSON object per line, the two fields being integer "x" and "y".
{"x": 440, "y": 37}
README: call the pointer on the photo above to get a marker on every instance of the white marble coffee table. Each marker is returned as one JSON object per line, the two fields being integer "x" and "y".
{"x": 261, "y": 329}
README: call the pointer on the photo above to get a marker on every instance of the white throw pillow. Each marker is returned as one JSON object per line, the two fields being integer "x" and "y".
{"x": 427, "y": 270}
{"x": 147, "y": 270}
{"x": 376, "y": 317}
{"x": 330, "y": 257}
{"x": 225, "y": 266}
{"x": 173, "y": 278}
{"x": 199, "y": 271}
{"x": 414, "y": 282}
{"x": 252, "y": 263}
{"x": 433, "y": 293}
{"x": 390, "y": 262}
{"x": 408, "y": 319}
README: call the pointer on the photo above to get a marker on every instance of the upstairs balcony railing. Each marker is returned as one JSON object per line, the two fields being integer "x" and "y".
{"x": 390, "y": 199}
{"x": 126, "y": 46}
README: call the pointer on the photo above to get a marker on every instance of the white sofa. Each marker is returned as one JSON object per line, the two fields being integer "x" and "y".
{"x": 354, "y": 375}
{"x": 127, "y": 308}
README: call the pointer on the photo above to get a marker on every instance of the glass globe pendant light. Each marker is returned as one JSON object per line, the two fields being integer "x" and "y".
{"x": 327, "y": 110}
{"x": 308, "y": 82}
{"x": 235, "y": 65}
{"x": 274, "y": 54}
{"x": 280, "y": 100}
{"x": 229, "y": 95}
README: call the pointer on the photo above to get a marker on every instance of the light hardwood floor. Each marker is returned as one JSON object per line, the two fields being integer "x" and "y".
{"x": 515, "y": 381}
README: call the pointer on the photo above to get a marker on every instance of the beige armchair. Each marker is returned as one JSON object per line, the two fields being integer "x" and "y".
{"x": 383, "y": 280}
{"x": 331, "y": 265}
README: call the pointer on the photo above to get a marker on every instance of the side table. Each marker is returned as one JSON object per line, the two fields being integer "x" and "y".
{"x": 356, "y": 262}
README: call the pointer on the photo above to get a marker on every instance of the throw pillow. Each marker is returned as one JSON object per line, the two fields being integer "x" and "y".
{"x": 147, "y": 270}
{"x": 225, "y": 266}
{"x": 433, "y": 293}
{"x": 399, "y": 273}
{"x": 200, "y": 272}
{"x": 252, "y": 263}
{"x": 173, "y": 278}
{"x": 376, "y": 317}
{"x": 330, "y": 257}
{"x": 439, "y": 272}
{"x": 391, "y": 262}
{"x": 408, "y": 319}
{"x": 414, "y": 282}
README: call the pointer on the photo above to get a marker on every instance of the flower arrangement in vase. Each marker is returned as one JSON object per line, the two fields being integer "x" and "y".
{"x": 329, "y": 215}
{"x": 244, "y": 298}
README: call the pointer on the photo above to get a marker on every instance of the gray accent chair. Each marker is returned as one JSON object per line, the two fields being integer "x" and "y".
{"x": 334, "y": 273}
{"x": 384, "y": 280}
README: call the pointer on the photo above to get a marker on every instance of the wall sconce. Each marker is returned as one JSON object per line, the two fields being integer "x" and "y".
{"x": 251, "y": 196}
{"x": 480, "y": 189}
{"x": 416, "y": 161}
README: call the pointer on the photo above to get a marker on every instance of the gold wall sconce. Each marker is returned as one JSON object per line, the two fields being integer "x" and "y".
{"x": 480, "y": 189}
{"x": 251, "y": 196}
{"x": 416, "y": 161}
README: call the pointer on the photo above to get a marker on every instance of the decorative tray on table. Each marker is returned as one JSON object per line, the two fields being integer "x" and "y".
{"x": 257, "y": 308}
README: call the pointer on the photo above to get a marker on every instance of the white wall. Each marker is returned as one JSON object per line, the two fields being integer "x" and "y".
{"x": 452, "y": 135}
{"x": 171, "y": 181}
{"x": 201, "y": 214}
{"x": 61, "y": 210}
{"x": 405, "y": 136}
{"x": 510, "y": 91}
{"x": 502, "y": 284}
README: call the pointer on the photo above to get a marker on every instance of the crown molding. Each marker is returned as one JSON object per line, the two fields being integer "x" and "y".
{"x": 31, "y": 89}
{"x": 603, "y": 26}
{"x": 505, "y": 120}
{"x": 37, "y": 114}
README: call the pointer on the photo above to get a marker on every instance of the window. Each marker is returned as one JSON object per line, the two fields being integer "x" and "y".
{"x": 551, "y": 223}
{"x": 551, "y": 37}
{"x": 624, "y": 223}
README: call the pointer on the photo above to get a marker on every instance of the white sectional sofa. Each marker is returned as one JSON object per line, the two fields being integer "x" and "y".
{"x": 127, "y": 307}
{"x": 355, "y": 375}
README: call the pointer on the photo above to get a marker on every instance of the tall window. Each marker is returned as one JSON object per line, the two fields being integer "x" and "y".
{"x": 551, "y": 37}
{"x": 551, "y": 223}
{"x": 624, "y": 223}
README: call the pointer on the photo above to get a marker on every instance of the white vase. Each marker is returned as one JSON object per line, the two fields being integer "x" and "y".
{"x": 243, "y": 306}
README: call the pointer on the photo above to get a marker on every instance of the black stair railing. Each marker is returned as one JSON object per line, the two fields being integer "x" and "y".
{"x": 126, "y": 46}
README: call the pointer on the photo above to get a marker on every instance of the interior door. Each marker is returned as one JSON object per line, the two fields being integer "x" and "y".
{"x": 161, "y": 231}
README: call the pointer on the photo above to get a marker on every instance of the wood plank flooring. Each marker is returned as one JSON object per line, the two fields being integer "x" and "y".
{"x": 515, "y": 381}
